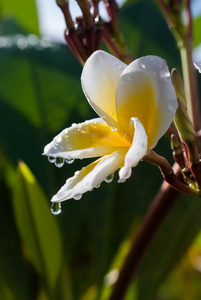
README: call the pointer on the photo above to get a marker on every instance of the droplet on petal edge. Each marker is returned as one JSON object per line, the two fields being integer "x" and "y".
{"x": 78, "y": 197}
{"x": 98, "y": 185}
{"x": 56, "y": 208}
{"x": 59, "y": 162}
{"x": 109, "y": 179}
{"x": 51, "y": 159}
{"x": 84, "y": 130}
{"x": 69, "y": 161}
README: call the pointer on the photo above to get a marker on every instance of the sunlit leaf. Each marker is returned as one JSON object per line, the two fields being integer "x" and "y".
{"x": 24, "y": 12}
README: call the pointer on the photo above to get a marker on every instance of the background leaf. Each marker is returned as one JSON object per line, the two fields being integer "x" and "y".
{"x": 42, "y": 239}
{"x": 23, "y": 12}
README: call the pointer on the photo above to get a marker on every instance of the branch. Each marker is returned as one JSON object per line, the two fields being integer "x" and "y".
{"x": 156, "y": 214}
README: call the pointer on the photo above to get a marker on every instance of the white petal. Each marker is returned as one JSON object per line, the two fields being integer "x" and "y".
{"x": 92, "y": 138}
{"x": 145, "y": 91}
{"x": 100, "y": 77}
{"x": 90, "y": 177}
{"x": 137, "y": 150}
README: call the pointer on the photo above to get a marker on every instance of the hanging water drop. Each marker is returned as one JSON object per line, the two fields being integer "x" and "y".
{"x": 69, "y": 161}
{"x": 59, "y": 162}
{"x": 56, "y": 208}
{"x": 77, "y": 196}
{"x": 51, "y": 159}
{"x": 109, "y": 179}
{"x": 97, "y": 186}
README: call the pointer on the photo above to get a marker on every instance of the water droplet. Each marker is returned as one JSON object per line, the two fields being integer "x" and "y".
{"x": 69, "y": 147}
{"x": 120, "y": 68}
{"x": 94, "y": 136}
{"x": 58, "y": 138}
{"x": 65, "y": 131}
{"x": 171, "y": 106}
{"x": 77, "y": 196}
{"x": 109, "y": 179}
{"x": 84, "y": 129}
{"x": 114, "y": 128}
{"x": 59, "y": 162}
{"x": 51, "y": 159}
{"x": 74, "y": 125}
{"x": 69, "y": 161}
{"x": 97, "y": 186}
{"x": 76, "y": 173}
{"x": 56, "y": 208}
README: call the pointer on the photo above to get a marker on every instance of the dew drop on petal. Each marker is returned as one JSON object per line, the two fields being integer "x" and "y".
{"x": 56, "y": 208}
{"x": 94, "y": 137}
{"x": 69, "y": 161}
{"x": 51, "y": 159}
{"x": 69, "y": 147}
{"x": 97, "y": 186}
{"x": 65, "y": 131}
{"x": 77, "y": 196}
{"x": 120, "y": 68}
{"x": 59, "y": 162}
{"x": 109, "y": 178}
{"x": 58, "y": 139}
{"x": 171, "y": 106}
{"x": 114, "y": 128}
{"x": 76, "y": 173}
{"x": 84, "y": 130}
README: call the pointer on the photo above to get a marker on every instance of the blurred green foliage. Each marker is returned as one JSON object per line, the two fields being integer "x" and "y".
{"x": 67, "y": 256}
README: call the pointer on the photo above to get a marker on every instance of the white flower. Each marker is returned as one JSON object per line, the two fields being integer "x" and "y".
{"x": 136, "y": 105}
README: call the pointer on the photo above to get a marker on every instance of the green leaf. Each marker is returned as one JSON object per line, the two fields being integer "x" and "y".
{"x": 24, "y": 12}
{"x": 37, "y": 226}
{"x": 13, "y": 274}
{"x": 196, "y": 31}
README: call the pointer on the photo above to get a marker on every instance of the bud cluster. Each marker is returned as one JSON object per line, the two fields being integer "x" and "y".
{"x": 84, "y": 35}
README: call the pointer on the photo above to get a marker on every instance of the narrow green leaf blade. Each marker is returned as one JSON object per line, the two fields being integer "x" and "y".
{"x": 37, "y": 226}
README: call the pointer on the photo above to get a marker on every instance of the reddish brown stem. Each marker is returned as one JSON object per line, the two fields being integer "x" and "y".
{"x": 157, "y": 212}
{"x": 70, "y": 42}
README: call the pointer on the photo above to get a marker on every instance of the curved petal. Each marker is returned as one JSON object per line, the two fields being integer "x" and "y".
{"x": 137, "y": 150}
{"x": 89, "y": 177}
{"x": 100, "y": 77}
{"x": 145, "y": 91}
{"x": 89, "y": 139}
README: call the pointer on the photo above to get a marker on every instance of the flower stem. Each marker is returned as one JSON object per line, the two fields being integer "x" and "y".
{"x": 157, "y": 212}
{"x": 190, "y": 82}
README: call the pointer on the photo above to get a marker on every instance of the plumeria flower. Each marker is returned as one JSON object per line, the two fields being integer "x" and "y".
{"x": 136, "y": 105}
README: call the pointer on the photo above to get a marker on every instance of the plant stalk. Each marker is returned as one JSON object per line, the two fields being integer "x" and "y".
{"x": 161, "y": 205}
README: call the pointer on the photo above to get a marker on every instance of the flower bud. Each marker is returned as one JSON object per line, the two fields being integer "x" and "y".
{"x": 179, "y": 86}
{"x": 61, "y": 3}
